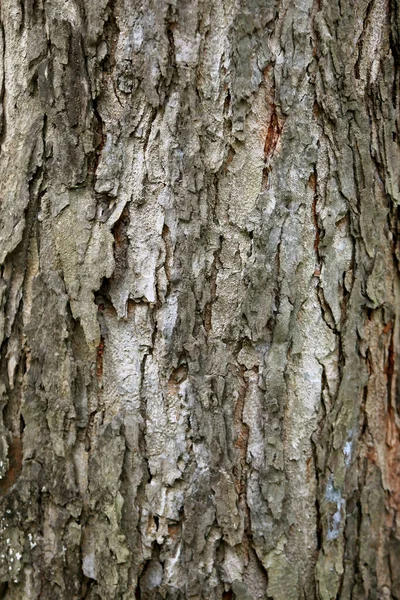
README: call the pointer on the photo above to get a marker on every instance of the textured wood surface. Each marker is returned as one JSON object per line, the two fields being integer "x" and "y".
{"x": 199, "y": 300}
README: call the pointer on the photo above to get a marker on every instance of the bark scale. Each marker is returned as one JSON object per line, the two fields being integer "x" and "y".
{"x": 199, "y": 299}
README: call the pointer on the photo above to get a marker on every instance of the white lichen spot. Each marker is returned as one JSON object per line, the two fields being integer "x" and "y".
{"x": 348, "y": 447}
{"x": 347, "y": 453}
{"x": 137, "y": 37}
{"x": 88, "y": 566}
{"x": 333, "y": 495}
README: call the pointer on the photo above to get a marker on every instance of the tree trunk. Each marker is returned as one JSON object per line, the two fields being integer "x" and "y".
{"x": 200, "y": 300}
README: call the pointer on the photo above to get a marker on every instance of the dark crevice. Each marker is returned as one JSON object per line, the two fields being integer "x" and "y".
{"x": 3, "y": 589}
{"x": 216, "y": 264}
{"x": 87, "y": 585}
{"x": 121, "y": 245}
{"x": 360, "y": 42}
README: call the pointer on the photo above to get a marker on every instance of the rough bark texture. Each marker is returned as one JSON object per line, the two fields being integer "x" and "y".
{"x": 199, "y": 299}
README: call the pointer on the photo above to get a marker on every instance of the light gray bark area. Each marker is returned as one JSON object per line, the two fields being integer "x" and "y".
{"x": 199, "y": 300}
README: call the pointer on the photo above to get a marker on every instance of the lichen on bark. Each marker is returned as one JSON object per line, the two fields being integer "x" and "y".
{"x": 199, "y": 299}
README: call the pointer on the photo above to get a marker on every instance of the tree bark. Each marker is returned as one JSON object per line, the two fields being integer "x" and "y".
{"x": 199, "y": 299}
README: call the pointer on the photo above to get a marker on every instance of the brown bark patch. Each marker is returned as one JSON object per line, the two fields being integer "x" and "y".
{"x": 393, "y": 460}
{"x": 177, "y": 377}
{"x": 166, "y": 236}
{"x": 229, "y": 159}
{"x": 99, "y": 359}
{"x": 15, "y": 465}
{"x": 174, "y": 530}
{"x": 272, "y": 137}
{"x": 273, "y": 134}
{"x": 388, "y": 327}
{"x": 392, "y": 430}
